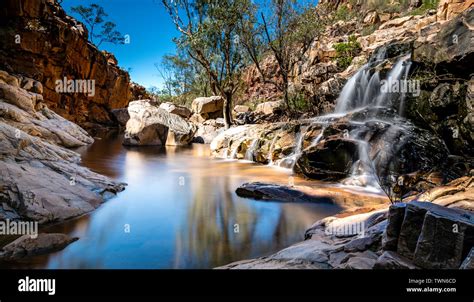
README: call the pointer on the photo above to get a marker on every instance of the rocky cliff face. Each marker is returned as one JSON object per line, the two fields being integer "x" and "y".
{"x": 43, "y": 43}
{"x": 41, "y": 178}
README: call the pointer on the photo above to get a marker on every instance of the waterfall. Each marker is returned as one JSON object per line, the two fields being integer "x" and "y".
{"x": 270, "y": 151}
{"x": 364, "y": 90}
{"x": 369, "y": 87}
{"x": 290, "y": 160}
{"x": 251, "y": 150}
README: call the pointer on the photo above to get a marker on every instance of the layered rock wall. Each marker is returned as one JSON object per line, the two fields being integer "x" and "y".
{"x": 41, "y": 42}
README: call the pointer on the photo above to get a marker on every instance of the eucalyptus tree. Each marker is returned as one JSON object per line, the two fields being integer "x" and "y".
{"x": 284, "y": 29}
{"x": 209, "y": 33}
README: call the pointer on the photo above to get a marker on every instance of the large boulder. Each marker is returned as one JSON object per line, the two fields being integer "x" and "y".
{"x": 151, "y": 125}
{"x": 275, "y": 107}
{"x": 208, "y": 130}
{"x": 330, "y": 160}
{"x": 175, "y": 109}
{"x": 208, "y": 105}
{"x": 434, "y": 236}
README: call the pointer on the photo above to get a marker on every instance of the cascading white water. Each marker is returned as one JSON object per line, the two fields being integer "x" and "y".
{"x": 290, "y": 160}
{"x": 235, "y": 151}
{"x": 251, "y": 150}
{"x": 395, "y": 77}
{"x": 365, "y": 88}
{"x": 376, "y": 93}
{"x": 270, "y": 151}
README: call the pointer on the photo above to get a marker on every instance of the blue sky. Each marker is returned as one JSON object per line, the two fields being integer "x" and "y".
{"x": 151, "y": 33}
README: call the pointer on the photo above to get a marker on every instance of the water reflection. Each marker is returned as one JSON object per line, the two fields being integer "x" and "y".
{"x": 179, "y": 210}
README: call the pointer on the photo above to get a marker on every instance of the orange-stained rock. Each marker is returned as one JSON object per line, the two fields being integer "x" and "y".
{"x": 40, "y": 41}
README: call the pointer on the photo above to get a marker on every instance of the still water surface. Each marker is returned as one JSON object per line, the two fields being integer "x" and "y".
{"x": 179, "y": 210}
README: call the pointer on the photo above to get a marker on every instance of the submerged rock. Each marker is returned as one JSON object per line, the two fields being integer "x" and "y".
{"x": 28, "y": 246}
{"x": 270, "y": 192}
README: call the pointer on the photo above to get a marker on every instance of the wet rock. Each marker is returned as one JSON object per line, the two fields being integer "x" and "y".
{"x": 175, "y": 109}
{"x": 330, "y": 160}
{"x": 28, "y": 246}
{"x": 271, "y": 192}
{"x": 150, "y": 125}
{"x": 392, "y": 260}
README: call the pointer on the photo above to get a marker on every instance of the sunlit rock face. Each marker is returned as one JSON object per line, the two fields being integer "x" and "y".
{"x": 154, "y": 126}
{"x": 40, "y": 41}
{"x": 41, "y": 179}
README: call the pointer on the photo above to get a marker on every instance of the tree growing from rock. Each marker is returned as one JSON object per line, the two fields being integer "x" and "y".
{"x": 94, "y": 16}
{"x": 209, "y": 34}
{"x": 285, "y": 31}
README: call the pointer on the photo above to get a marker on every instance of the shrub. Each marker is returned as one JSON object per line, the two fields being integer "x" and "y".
{"x": 346, "y": 51}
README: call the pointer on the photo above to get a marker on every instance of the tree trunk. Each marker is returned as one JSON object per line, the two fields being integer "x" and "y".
{"x": 227, "y": 110}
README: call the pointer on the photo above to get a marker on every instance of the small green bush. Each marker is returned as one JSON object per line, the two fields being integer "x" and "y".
{"x": 427, "y": 5}
{"x": 346, "y": 51}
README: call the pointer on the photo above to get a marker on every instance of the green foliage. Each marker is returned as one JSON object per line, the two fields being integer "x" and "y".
{"x": 346, "y": 51}
{"x": 93, "y": 16}
{"x": 369, "y": 29}
{"x": 343, "y": 14}
{"x": 427, "y": 5}
{"x": 384, "y": 6}
{"x": 299, "y": 102}
{"x": 209, "y": 34}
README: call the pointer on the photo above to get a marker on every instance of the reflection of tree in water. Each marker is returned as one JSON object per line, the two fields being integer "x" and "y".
{"x": 208, "y": 239}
